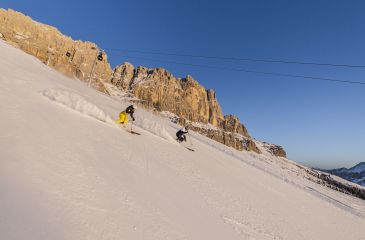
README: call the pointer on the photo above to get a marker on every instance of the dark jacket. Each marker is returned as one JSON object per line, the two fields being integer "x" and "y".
{"x": 181, "y": 132}
{"x": 130, "y": 111}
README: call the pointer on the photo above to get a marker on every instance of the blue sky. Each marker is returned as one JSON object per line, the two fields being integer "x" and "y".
{"x": 319, "y": 123}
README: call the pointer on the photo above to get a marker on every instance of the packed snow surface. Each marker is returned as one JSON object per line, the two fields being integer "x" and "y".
{"x": 68, "y": 171}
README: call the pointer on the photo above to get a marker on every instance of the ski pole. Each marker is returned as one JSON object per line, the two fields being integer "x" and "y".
{"x": 190, "y": 139}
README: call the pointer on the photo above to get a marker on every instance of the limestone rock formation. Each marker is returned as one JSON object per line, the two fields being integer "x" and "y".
{"x": 51, "y": 46}
{"x": 232, "y": 124}
{"x": 215, "y": 111}
{"x": 122, "y": 76}
{"x": 184, "y": 97}
{"x": 278, "y": 151}
{"x": 275, "y": 149}
{"x": 230, "y": 139}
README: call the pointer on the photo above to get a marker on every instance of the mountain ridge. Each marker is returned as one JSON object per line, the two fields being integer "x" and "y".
{"x": 355, "y": 174}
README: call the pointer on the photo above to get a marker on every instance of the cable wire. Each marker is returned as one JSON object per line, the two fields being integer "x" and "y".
{"x": 240, "y": 59}
{"x": 252, "y": 71}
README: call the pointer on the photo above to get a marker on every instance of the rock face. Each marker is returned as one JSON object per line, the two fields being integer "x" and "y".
{"x": 157, "y": 88}
{"x": 122, "y": 76}
{"x": 228, "y": 138}
{"x": 275, "y": 149}
{"x": 51, "y": 46}
{"x": 184, "y": 97}
{"x": 215, "y": 111}
{"x": 232, "y": 124}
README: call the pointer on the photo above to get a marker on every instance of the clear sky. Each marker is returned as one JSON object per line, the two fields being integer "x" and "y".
{"x": 320, "y": 124}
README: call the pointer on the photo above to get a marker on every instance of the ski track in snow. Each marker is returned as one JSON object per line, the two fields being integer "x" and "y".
{"x": 336, "y": 202}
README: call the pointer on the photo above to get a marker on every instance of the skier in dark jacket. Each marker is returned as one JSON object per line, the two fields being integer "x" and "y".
{"x": 130, "y": 110}
{"x": 181, "y": 134}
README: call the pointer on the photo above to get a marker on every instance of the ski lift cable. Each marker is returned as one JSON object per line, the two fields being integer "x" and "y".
{"x": 240, "y": 59}
{"x": 252, "y": 71}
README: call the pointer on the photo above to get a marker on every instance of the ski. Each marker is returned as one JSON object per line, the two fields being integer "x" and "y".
{"x": 133, "y": 132}
{"x": 190, "y": 149}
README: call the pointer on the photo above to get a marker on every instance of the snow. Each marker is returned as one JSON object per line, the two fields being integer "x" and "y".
{"x": 67, "y": 171}
{"x": 359, "y": 180}
{"x": 358, "y": 168}
{"x": 206, "y": 126}
{"x": 118, "y": 94}
{"x": 77, "y": 103}
{"x": 140, "y": 79}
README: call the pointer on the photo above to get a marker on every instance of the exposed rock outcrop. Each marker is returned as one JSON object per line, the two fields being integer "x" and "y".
{"x": 184, "y": 97}
{"x": 51, "y": 46}
{"x": 227, "y": 138}
{"x": 232, "y": 124}
{"x": 215, "y": 111}
{"x": 275, "y": 149}
{"x": 122, "y": 76}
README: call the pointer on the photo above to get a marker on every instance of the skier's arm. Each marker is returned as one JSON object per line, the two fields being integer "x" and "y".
{"x": 131, "y": 113}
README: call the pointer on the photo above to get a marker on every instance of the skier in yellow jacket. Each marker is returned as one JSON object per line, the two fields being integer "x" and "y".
{"x": 123, "y": 116}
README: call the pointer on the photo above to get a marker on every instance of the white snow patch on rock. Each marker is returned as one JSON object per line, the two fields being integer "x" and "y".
{"x": 206, "y": 126}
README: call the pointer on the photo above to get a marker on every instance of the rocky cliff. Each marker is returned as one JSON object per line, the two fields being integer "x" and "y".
{"x": 73, "y": 58}
{"x": 160, "y": 89}
{"x": 156, "y": 87}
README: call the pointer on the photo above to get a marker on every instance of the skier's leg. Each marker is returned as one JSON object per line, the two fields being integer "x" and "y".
{"x": 122, "y": 117}
{"x": 120, "y": 120}
{"x": 178, "y": 136}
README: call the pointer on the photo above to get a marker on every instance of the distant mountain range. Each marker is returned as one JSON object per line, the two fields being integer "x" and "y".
{"x": 355, "y": 174}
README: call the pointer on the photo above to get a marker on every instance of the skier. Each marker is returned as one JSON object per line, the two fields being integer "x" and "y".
{"x": 123, "y": 116}
{"x": 181, "y": 134}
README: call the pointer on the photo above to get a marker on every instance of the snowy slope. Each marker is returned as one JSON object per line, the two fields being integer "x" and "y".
{"x": 67, "y": 171}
